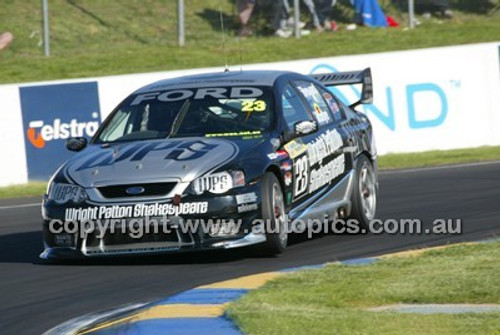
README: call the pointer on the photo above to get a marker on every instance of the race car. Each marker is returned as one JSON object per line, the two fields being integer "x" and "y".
{"x": 222, "y": 160}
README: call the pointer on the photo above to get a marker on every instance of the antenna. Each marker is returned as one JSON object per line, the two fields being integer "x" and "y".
{"x": 241, "y": 54}
{"x": 226, "y": 67}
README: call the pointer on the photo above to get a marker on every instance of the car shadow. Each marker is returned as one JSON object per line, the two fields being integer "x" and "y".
{"x": 26, "y": 247}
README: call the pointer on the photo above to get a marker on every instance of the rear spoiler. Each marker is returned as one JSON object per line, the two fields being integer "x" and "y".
{"x": 363, "y": 77}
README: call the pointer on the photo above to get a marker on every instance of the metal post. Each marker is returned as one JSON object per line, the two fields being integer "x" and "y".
{"x": 180, "y": 23}
{"x": 46, "y": 34}
{"x": 411, "y": 13}
{"x": 296, "y": 15}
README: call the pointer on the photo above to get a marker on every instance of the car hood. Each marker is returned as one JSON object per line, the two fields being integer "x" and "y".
{"x": 154, "y": 160}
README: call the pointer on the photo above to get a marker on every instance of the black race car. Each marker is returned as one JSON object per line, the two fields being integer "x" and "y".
{"x": 214, "y": 161}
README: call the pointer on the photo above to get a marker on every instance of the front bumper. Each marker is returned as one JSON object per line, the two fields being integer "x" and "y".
{"x": 86, "y": 230}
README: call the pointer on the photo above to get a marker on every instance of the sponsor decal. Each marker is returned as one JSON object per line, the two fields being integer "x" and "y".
{"x": 175, "y": 150}
{"x": 277, "y": 155}
{"x": 334, "y": 106}
{"x": 315, "y": 100}
{"x": 324, "y": 174}
{"x": 288, "y": 178}
{"x": 216, "y": 183}
{"x": 51, "y": 114}
{"x": 295, "y": 148}
{"x": 272, "y": 156}
{"x": 246, "y": 202}
{"x": 202, "y": 93}
{"x": 134, "y": 211}
{"x": 323, "y": 162}
{"x": 62, "y": 193}
{"x": 247, "y": 208}
{"x": 323, "y": 146}
{"x": 321, "y": 116}
{"x": 239, "y": 133}
{"x": 246, "y": 198}
{"x": 286, "y": 166}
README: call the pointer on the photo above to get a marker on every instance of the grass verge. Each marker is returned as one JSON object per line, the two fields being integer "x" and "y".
{"x": 332, "y": 300}
{"x": 438, "y": 158}
{"x": 390, "y": 161}
{"x": 25, "y": 190}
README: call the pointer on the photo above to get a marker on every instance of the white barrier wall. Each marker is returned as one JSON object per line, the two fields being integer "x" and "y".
{"x": 439, "y": 98}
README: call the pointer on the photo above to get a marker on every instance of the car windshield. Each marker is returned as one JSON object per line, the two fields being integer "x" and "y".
{"x": 205, "y": 112}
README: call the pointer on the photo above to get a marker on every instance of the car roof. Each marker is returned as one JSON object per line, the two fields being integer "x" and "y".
{"x": 222, "y": 79}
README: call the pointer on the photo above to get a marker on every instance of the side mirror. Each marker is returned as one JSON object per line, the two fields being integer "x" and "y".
{"x": 76, "y": 143}
{"x": 305, "y": 128}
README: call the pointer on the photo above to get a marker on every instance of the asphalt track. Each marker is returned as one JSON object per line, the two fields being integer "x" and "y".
{"x": 35, "y": 296}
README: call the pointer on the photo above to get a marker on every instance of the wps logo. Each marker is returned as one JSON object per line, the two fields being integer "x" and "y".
{"x": 175, "y": 150}
{"x": 39, "y": 133}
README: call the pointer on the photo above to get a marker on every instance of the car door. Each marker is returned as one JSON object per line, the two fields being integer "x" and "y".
{"x": 329, "y": 150}
{"x": 295, "y": 109}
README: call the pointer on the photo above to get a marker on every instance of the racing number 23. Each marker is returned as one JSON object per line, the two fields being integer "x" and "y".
{"x": 301, "y": 170}
{"x": 253, "y": 106}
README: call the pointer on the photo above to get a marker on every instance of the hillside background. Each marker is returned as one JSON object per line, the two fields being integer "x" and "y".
{"x": 97, "y": 37}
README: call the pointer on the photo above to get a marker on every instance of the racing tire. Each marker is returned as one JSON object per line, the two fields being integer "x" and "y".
{"x": 365, "y": 193}
{"x": 274, "y": 216}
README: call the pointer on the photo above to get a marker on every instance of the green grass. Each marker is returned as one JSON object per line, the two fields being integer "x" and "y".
{"x": 332, "y": 300}
{"x": 439, "y": 157}
{"x": 390, "y": 161}
{"x": 89, "y": 38}
{"x": 26, "y": 190}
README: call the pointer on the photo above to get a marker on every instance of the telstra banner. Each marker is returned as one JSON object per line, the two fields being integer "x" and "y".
{"x": 52, "y": 114}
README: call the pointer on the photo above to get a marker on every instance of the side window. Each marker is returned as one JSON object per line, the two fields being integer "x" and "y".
{"x": 293, "y": 108}
{"x": 318, "y": 105}
{"x": 118, "y": 129}
{"x": 334, "y": 105}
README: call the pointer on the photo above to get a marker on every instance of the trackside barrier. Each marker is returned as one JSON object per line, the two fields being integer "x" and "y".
{"x": 427, "y": 99}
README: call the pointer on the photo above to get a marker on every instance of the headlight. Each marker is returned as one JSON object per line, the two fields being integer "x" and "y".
{"x": 218, "y": 183}
{"x": 62, "y": 193}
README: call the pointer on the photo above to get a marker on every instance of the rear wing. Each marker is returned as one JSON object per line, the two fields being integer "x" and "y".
{"x": 363, "y": 77}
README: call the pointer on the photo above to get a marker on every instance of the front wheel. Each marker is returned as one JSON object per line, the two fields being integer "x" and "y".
{"x": 274, "y": 216}
{"x": 364, "y": 194}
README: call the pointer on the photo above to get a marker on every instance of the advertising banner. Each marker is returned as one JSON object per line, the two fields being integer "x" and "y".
{"x": 51, "y": 114}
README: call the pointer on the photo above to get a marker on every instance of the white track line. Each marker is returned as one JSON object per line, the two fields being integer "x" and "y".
{"x": 20, "y": 206}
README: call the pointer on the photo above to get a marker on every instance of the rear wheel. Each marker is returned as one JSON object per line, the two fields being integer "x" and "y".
{"x": 364, "y": 194}
{"x": 274, "y": 215}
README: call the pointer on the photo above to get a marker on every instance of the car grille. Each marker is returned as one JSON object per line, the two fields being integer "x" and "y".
{"x": 120, "y": 191}
{"x": 124, "y": 238}
{"x": 120, "y": 240}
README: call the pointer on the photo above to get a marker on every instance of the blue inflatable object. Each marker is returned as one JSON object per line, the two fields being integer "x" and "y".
{"x": 370, "y": 13}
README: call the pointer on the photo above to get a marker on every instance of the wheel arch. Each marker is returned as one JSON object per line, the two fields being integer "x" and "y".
{"x": 367, "y": 154}
{"x": 276, "y": 170}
